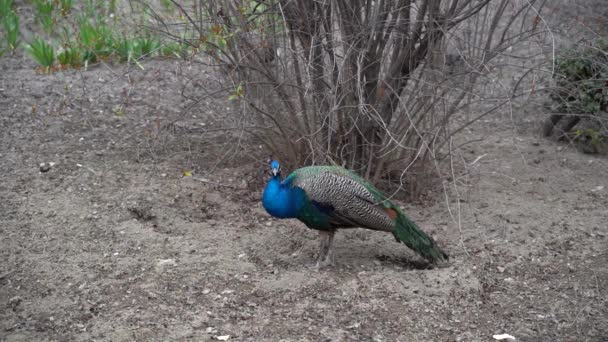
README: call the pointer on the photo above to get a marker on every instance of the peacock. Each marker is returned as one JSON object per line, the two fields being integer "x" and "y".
{"x": 327, "y": 198}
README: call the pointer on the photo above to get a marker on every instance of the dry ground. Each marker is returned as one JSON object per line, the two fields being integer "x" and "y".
{"x": 113, "y": 244}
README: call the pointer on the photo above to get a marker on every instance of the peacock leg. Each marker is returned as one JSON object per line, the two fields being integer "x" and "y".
{"x": 325, "y": 248}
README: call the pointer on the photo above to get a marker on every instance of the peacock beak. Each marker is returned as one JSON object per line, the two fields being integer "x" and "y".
{"x": 275, "y": 171}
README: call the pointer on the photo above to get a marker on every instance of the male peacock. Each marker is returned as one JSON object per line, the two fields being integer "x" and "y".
{"x": 326, "y": 198}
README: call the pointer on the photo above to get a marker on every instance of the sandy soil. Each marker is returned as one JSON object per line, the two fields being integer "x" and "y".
{"x": 113, "y": 244}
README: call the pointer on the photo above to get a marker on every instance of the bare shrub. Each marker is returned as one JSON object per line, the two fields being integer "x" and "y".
{"x": 380, "y": 86}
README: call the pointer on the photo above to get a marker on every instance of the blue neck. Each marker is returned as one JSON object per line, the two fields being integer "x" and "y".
{"x": 282, "y": 200}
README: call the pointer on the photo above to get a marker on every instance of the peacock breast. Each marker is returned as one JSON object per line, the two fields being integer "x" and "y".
{"x": 280, "y": 201}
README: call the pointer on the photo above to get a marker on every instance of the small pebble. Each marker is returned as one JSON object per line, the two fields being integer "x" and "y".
{"x": 45, "y": 167}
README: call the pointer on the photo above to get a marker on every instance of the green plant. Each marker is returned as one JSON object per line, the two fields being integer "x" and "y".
{"x": 589, "y": 139}
{"x": 259, "y": 17}
{"x": 580, "y": 97}
{"x": 6, "y": 6}
{"x": 582, "y": 79}
{"x": 66, "y": 7}
{"x": 70, "y": 57}
{"x": 99, "y": 9}
{"x": 167, "y": 6}
{"x": 175, "y": 49}
{"x": 11, "y": 26}
{"x": 148, "y": 46}
{"x": 593, "y": 136}
{"x": 125, "y": 49}
{"x": 129, "y": 50}
{"x": 43, "y": 53}
{"x": 132, "y": 49}
{"x": 216, "y": 39}
{"x": 97, "y": 39}
{"x": 86, "y": 32}
{"x": 44, "y": 14}
{"x": 238, "y": 93}
{"x": 112, "y": 6}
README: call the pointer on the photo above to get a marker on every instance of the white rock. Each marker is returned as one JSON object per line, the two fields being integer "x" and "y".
{"x": 169, "y": 262}
{"x": 163, "y": 264}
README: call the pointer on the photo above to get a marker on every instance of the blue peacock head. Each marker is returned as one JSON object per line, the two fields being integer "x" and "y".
{"x": 275, "y": 168}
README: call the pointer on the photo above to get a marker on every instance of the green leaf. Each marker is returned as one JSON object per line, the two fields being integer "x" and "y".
{"x": 44, "y": 14}
{"x": 6, "y": 6}
{"x": 42, "y": 52}
{"x": 11, "y": 26}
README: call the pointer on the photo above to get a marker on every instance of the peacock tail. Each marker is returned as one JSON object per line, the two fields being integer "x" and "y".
{"x": 338, "y": 198}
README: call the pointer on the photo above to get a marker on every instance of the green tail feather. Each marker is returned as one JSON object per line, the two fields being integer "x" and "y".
{"x": 412, "y": 236}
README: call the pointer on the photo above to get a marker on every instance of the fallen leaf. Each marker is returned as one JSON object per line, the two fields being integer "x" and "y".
{"x": 187, "y": 173}
{"x": 222, "y": 338}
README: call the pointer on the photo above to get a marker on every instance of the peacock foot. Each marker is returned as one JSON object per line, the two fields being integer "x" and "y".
{"x": 321, "y": 264}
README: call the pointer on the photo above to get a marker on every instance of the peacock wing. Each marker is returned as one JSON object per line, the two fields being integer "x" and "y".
{"x": 351, "y": 203}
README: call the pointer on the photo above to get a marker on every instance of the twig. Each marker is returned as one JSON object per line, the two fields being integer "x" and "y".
{"x": 6, "y": 274}
{"x": 458, "y": 220}
{"x": 203, "y": 180}
{"x": 477, "y": 159}
{"x": 88, "y": 168}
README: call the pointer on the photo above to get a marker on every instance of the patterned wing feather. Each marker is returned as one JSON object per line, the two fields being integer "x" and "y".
{"x": 353, "y": 203}
{"x": 350, "y": 201}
